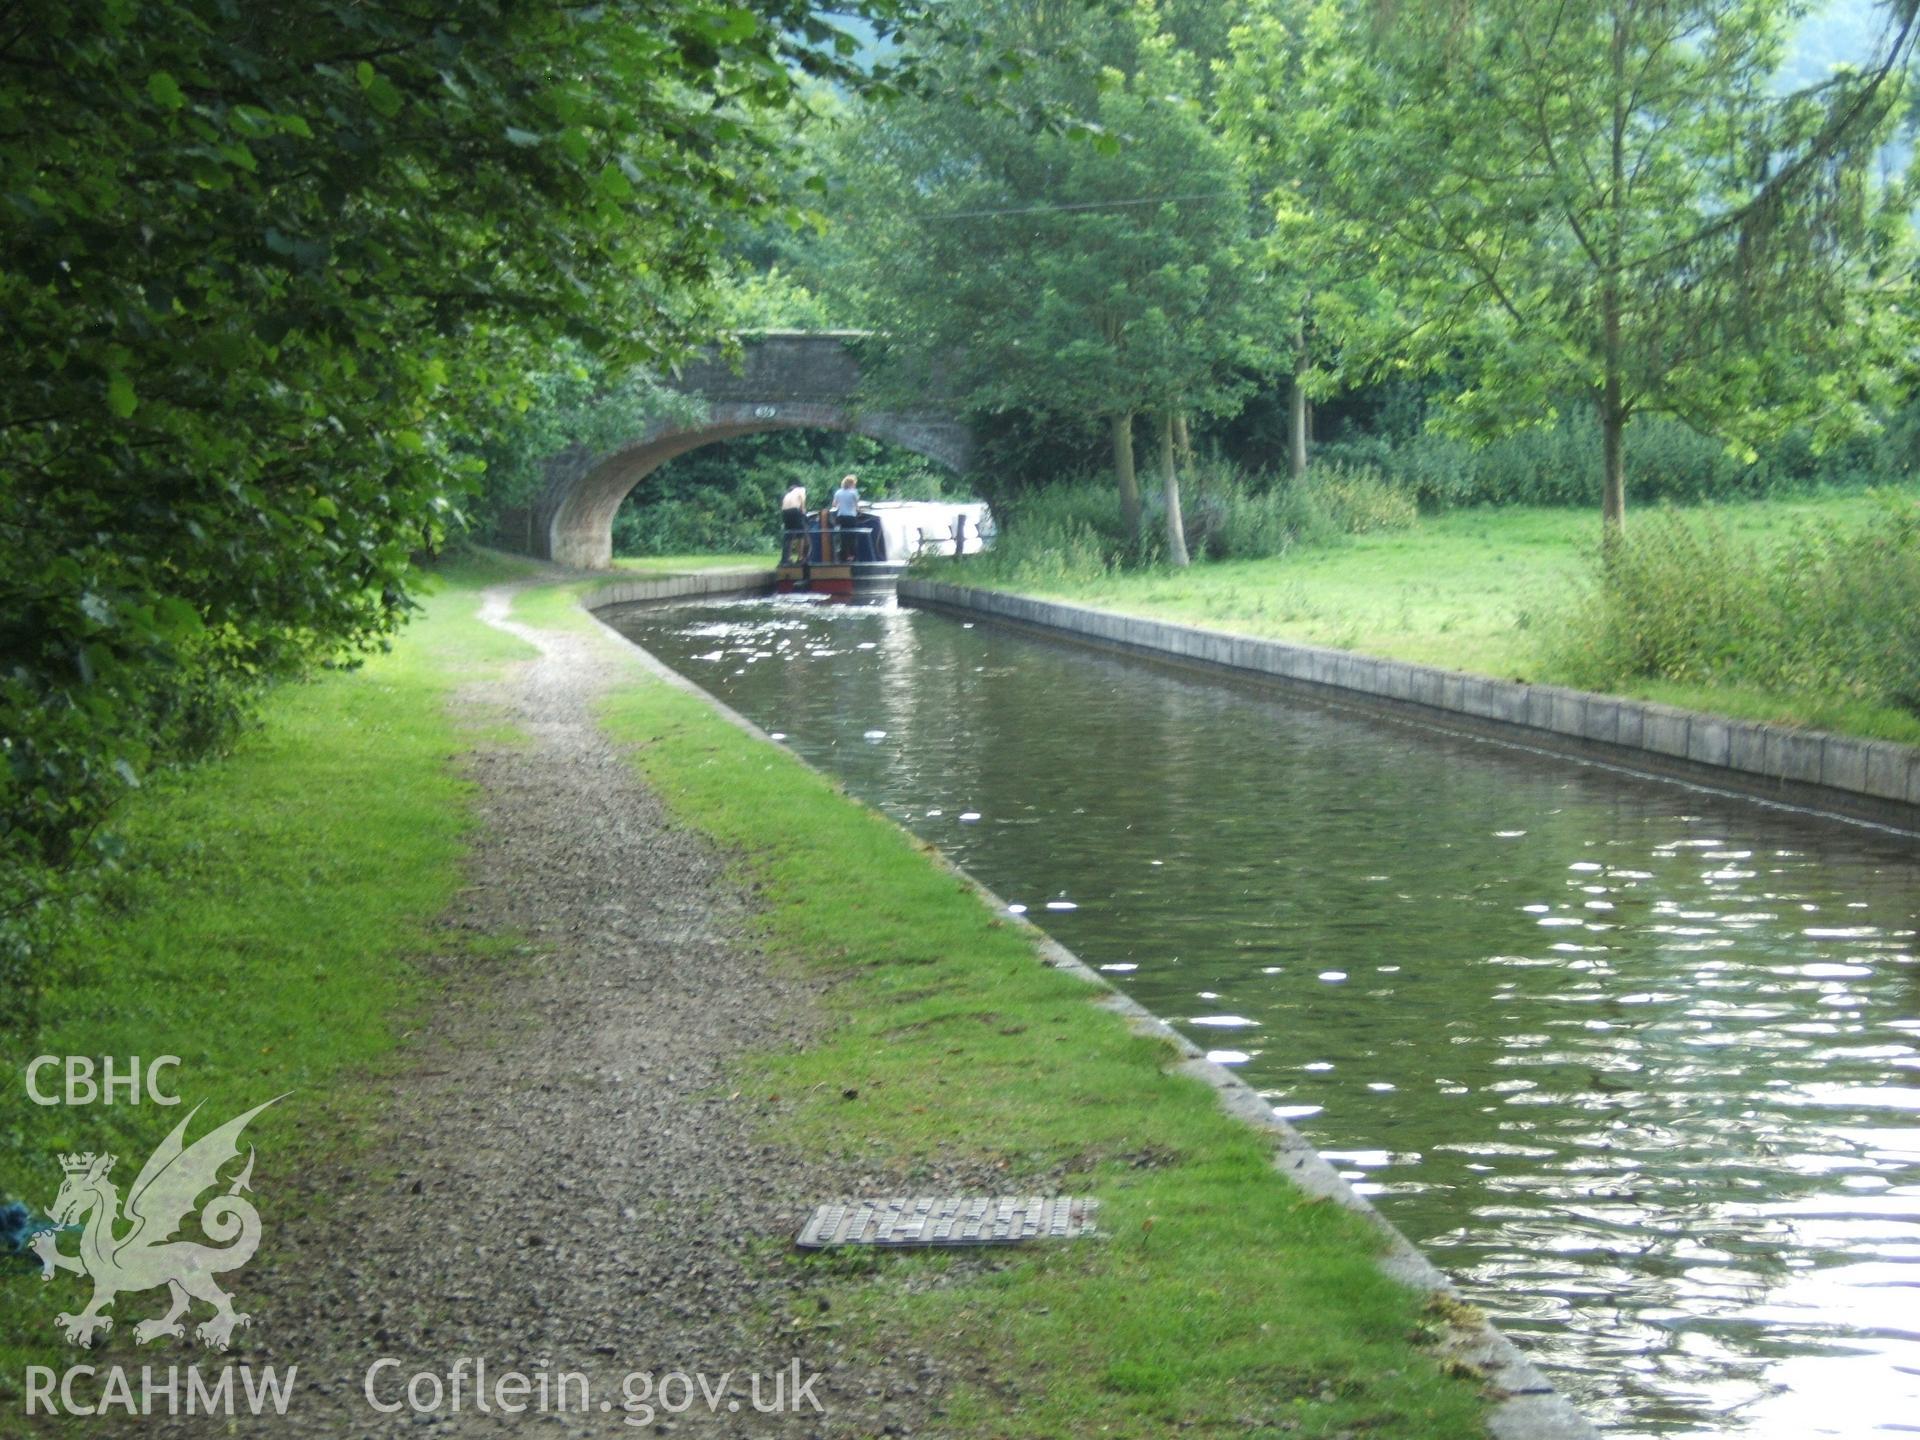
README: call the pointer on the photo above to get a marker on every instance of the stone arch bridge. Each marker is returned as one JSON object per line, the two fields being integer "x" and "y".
{"x": 787, "y": 380}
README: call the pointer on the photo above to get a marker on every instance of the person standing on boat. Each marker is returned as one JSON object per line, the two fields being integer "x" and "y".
{"x": 793, "y": 513}
{"x": 846, "y": 513}
{"x": 793, "y": 507}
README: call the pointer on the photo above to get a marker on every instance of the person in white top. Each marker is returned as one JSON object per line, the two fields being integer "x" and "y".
{"x": 846, "y": 513}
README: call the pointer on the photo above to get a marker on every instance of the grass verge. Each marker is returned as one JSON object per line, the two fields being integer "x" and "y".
{"x": 264, "y": 927}
{"x": 681, "y": 564}
{"x": 557, "y": 604}
{"x": 1468, "y": 590}
{"x": 1223, "y": 1301}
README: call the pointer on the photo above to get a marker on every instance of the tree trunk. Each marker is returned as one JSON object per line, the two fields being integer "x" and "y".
{"x": 1170, "y": 479}
{"x": 1297, "y": 404}
{"x": 1613, "y": 434}
{"x": 1613, "y": 409}
{"x": 1122, "y": 428}
{"x": 1182, "y": 444}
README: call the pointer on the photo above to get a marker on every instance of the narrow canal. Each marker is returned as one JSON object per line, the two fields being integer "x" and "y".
{"x": 1637, "y": 1064}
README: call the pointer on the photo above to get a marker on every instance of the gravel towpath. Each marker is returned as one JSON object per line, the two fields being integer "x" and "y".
{"x": 567, "y": 1179}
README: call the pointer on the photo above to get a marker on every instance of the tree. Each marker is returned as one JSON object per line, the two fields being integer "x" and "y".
{"x": 261, "y": 264}
{"x": 574, "y": 404}
{"x": 1337, "y": 320}
{"x": 1091, "y": 276}
{"x": 1613, "y": 200}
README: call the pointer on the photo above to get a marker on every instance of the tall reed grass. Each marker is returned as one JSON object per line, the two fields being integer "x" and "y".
{"x": 1560, "y": 464}
{"x": 1072, "y": 531}
{"x": 1826, "y": 610}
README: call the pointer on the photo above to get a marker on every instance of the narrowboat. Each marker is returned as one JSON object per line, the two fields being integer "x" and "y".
{"x": 871, "y": 555}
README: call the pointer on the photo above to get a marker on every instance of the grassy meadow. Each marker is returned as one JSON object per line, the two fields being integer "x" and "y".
{"x": 1484, "y": 590}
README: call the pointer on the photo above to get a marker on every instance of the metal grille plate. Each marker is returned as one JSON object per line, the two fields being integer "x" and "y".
{"x": 950, "y": 1220}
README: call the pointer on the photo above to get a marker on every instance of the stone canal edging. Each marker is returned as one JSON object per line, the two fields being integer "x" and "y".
{"x": 1872, "y": 780}
{"x": 678, "y": 587}
{"x": 1529, "y": 1408}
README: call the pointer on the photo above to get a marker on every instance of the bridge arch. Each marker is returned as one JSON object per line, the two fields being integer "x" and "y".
{"x": 787, "y": 380}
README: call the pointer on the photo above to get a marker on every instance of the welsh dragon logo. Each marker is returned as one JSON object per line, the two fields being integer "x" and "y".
{"x": 147, "y": 1256}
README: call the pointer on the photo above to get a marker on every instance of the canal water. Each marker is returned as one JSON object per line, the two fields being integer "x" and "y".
{"x": 1637, "y": 1064}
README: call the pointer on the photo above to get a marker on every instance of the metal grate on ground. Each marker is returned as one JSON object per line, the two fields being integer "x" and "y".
{"x": 936, "y": 1220}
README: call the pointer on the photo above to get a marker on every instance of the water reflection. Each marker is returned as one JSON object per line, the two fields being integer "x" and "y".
{"x": 1640, "y": 1066}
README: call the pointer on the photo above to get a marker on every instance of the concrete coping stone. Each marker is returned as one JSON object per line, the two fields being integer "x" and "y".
{"x": 678, "y": 587}
{"x": 1890, "y": 769}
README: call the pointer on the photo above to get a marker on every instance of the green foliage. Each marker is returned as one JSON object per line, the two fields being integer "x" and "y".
{"x": 1338, "y": 313}
{"x": 1018, "y": 451}
{"x": 269, "y": 931}
{"x": 1230, "y": 517}
{"x": 1614, "y": 202}
{"x": 772, "y": 299}
{"x": 261, "y": 265}
{"x": 1824, "y": 610}
{"x": 1476, "y": 589}
{"x": 578, "y": 404}
{"x": 1082, "y": 277}
{"x": 740, "y": 520}
{"x": 1561, "y": 464}
{"x": 1357, "y": 501}
{"x": 1071, "y": 532}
